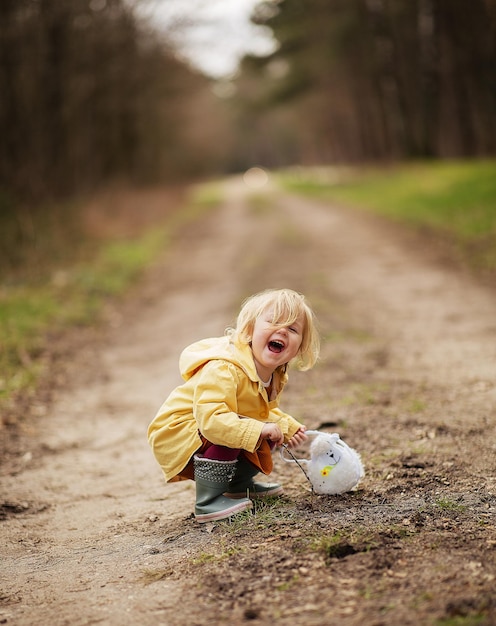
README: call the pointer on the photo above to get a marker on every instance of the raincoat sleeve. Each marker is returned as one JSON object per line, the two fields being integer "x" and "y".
{"x": 288, "y": 425}
{"x": 215, "y": 407}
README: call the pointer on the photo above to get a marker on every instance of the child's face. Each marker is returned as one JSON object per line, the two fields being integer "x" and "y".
{"x": 273, "y": 346}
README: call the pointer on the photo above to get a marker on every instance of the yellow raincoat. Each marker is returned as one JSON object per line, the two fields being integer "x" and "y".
{"x": 221, "y": 401}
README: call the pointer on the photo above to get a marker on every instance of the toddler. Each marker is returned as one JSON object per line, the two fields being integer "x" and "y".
{"x": 219, "y": 427}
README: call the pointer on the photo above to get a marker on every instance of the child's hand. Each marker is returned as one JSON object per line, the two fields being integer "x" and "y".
{"x": 273, "y": 433}
{"x": 298, "y": 438}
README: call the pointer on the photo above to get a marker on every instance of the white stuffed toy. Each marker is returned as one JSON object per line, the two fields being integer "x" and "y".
{"x": 333, "y": 467}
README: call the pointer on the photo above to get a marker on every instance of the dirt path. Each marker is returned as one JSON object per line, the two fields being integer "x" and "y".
{"x": 92, "y": 535}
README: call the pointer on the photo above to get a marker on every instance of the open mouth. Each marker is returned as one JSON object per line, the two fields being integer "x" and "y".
{"x": 276, "y": 346}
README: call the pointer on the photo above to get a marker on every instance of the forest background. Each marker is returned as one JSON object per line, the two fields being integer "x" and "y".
{"x": 92, "y": 93}
{"x": 94, "y": 97}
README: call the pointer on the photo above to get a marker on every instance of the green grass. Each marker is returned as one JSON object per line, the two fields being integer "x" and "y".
{"x": 70, "y": 297}
{"x": 462, "y": 620}
{"x": 449, "y": 505}
{"x": 456, "y": 199}
{"x": 67, "y": 290}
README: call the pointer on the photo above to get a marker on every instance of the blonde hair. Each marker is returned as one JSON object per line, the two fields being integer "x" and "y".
{"x": 286, "y": 306}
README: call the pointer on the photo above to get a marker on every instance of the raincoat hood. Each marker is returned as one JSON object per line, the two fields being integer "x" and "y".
{"x": 195, "y": 356}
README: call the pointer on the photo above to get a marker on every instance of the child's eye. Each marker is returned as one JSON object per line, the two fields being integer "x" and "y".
{"x": 293, "y": 329}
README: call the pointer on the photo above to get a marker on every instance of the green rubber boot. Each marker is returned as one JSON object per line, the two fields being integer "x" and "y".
{"x": 212, "y": 480}
{"x": 242, "y": 483}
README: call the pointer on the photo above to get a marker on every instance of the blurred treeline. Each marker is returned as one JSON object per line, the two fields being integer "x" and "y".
{"x": 89, "y": 93}
{"x": 357, "y": 80}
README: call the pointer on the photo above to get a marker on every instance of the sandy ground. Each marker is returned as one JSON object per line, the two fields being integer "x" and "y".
{"x": 91, "y": 534}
